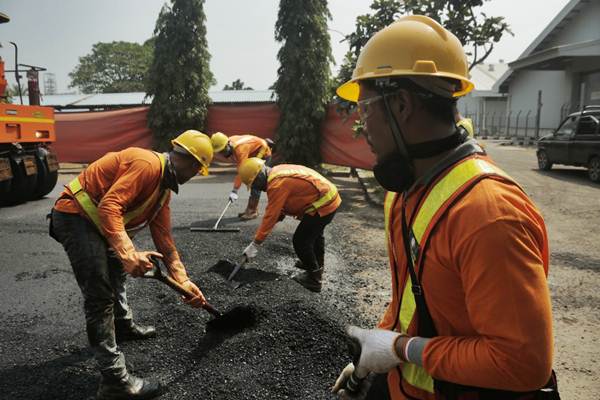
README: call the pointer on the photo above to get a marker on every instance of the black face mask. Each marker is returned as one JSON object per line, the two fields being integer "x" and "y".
{"x": 394, "y": 173}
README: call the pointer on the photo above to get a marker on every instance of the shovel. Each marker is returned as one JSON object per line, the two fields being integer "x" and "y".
{"x": 216, "y": 227}
{"x": 236, "y": 319}
{"x": 156, "y": 273}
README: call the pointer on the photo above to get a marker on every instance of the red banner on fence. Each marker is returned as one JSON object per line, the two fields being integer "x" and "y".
{"x": 85, "y": 137}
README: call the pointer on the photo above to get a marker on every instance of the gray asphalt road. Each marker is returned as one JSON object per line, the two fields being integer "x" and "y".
{"x": 297, "y": 348}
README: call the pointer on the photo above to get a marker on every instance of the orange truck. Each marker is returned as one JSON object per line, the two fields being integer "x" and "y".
{"x": 28, "y": 167}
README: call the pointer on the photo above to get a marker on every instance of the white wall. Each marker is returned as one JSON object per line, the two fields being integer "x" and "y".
{"x": 556, "y": 92}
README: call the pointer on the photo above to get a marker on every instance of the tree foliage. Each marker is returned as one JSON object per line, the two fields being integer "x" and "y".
{"x": 475, "y": 30}
{"x": 304, "y": 78}
{"x": 114, "y": 67}
{"x": 237, "y": 85}
{"x": 179, "y": 77}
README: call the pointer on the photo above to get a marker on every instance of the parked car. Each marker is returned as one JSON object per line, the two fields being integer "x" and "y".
{"x": 576, "y": 142}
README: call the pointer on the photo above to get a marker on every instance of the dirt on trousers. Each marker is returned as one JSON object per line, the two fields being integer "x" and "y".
{"x": 297, "y": 346}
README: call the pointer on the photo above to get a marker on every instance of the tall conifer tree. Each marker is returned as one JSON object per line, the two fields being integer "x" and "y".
{"x": 304, "y": 78}
{"x": 179, "y": 77}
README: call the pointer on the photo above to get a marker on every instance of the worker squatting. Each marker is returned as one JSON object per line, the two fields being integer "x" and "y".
{"x": 470, "y": 314}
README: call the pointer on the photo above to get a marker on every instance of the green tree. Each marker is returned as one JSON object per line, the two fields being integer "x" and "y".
{"x": 304, "y": 78}
{"x": 114, "y": 67}
{"x": 475, "y": 30}
{"x": 237, "y": 85}
{"x": 179, "y": 77}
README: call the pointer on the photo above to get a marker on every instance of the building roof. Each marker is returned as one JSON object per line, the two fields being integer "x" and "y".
{"x": 484, "y": 76}
{"x": 116, "y": 100}
{"x": 541, "y": 41}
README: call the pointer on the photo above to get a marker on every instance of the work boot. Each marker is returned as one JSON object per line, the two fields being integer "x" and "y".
{"x": 251, "y": 211}
{"x": 312, "y": 280}
{"x": 126, "y": 330}
{"x": 300, "y": 265}
{"x": 128, "y": 388}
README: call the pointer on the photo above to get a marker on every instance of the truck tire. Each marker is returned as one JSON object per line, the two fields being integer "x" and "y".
{"x": 46, "y": 179}
{"x": 594, "y": 169}
{"x": 4, "y": 188}
{"x": 22, "y": 186}
{"x": 544, "y": 162}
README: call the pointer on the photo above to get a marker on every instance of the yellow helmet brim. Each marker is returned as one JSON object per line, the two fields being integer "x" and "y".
{"x": 203, "y": 170}
{"x": 349, "y": 91}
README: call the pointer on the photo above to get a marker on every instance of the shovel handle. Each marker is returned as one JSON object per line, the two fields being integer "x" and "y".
{"x": 173, "y": 284}
{"x": 353, "y": 383}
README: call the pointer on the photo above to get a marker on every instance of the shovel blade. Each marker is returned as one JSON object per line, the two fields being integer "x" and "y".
{"x": 234, "y": 320}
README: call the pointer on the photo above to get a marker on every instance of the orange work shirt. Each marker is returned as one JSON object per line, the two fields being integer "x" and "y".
{"x": 120, "y": 182}
{"x": 292, "y": 196}
{"x": 246, "y": 146}
{"x": 484, "y": 279}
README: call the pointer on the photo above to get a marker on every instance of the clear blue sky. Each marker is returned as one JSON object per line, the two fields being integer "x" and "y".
{"x": 55, "y": 33}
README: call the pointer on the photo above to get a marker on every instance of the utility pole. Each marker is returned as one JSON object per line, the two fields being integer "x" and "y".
{"x": 538, "y": 115}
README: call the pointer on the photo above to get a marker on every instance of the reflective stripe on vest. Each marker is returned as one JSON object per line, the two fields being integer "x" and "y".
{"x": 91, "y": 209}
{"x": 325, "y": 199}
{"x": 450, "y": 185}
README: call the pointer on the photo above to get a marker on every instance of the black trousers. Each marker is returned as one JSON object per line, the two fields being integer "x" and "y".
{"x": 101, "y": 278}
{"x": 309, "y": 242}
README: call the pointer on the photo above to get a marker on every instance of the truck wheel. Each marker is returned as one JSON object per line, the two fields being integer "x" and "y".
{"x": 4, "y": 188}
{"x": 46, "y": 179}
{"x": 22, "y": 185}
{"x": 544, "y": 162}
{"x": 594, "y": 169}
{"x": 5, "y": 183}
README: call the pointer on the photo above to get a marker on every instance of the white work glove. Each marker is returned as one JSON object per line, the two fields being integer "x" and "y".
{"x": 340, "y": 385}
{"x": 251, "y": 251}
{"x": 378, "y": 350}
{"x": 233, "y": 196}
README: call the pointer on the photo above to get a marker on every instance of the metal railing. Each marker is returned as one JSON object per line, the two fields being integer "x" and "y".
{"x": 522, "y": 126}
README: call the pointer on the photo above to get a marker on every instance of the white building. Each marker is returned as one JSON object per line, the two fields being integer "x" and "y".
{"x": 484, "y": 105}
{"x": 562, "y": 63}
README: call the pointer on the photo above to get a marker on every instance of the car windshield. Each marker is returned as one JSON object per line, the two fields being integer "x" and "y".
{"x": 568, "y": 127}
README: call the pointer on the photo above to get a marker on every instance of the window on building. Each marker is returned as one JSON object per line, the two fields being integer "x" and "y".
{"x": 568, "y": 127}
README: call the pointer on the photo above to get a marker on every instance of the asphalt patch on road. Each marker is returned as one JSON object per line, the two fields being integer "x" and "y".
{"x": 234, "y": 320}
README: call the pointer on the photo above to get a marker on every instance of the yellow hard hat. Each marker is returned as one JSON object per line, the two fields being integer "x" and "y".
{"x": 415, "y": 46}
{"x": 198, "y": 145}
{"x": 219, "y": 141}
{"x": 249, "y": 169}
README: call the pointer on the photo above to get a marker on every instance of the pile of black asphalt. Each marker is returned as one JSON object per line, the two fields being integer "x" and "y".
{"x": 290, "y": 345}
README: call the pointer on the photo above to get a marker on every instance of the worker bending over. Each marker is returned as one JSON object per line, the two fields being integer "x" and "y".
{"x": 297, "y": 191}
{"x": 94, "y": 219}
{"x": 240, "y": 148}
{"x": 470, "y": 313}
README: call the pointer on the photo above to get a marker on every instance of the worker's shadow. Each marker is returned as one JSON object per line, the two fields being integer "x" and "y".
{"x": 66, "y": 377}
{"x": 245, "y": 275}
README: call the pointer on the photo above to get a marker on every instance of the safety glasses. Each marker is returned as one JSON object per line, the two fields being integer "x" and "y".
{"x": 365, "y": 107}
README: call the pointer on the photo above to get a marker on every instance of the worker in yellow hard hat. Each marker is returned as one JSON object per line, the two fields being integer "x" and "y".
{"x": 470, "y": 312}
{"x": 240, "y": 148}
{"x": 303, "y": 193}
{"x": 95, "y": 218}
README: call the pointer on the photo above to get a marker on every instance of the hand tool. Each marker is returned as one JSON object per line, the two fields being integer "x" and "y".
{"x": 216, "y": 228}
{"x": 236, "y": 319}
{"x": 354, "y": 381}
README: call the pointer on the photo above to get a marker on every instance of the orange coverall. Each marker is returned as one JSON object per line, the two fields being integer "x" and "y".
{"x": 122, "y": 181}
{"x": 485, "y": 284}
{"x": 291, "y": 196}
{"x": 246, "y": 146}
